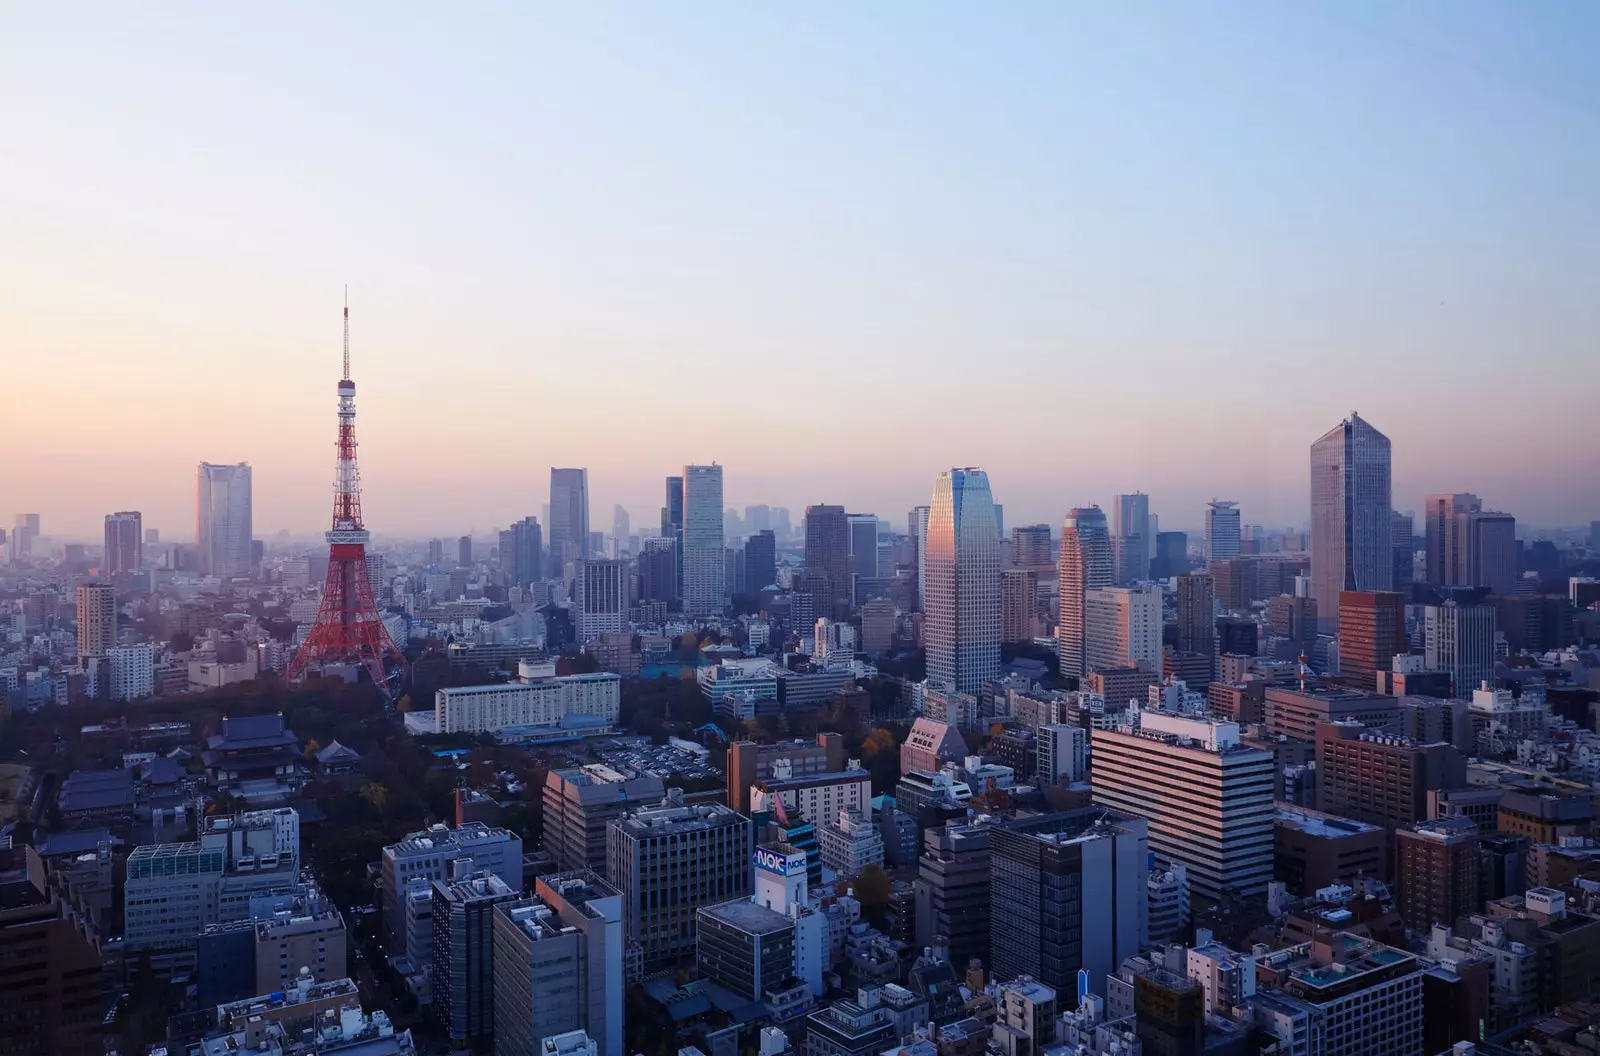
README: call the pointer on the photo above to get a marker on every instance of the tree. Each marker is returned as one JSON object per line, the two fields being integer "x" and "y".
{"x": 872, "y": 887}
{"x": 376, "y": 795}
{"x": 404, "y": 707}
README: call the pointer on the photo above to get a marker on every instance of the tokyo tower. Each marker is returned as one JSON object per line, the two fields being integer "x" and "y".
{"x": 348, "y": 628}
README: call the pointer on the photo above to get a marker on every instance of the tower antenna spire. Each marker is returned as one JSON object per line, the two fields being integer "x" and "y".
{"x": 347, "y": 332}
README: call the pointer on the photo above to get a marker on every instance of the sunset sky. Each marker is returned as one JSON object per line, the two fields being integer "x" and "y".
{"x": 836, "y": 247}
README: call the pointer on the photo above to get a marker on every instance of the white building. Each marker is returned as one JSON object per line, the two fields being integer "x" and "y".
{"x": 850, "y": 842}
{"x": 133, "y": 671}
{"x": 1122, "y": 627}
{"x": 427, "y": 854}
{"x": 554, "y": 703}
{"x": 705, "y": 568}
{"x": 833, "y": 642}
{"x": 1222, "y": 530}
{"x": 1168, "y": 891}
{"x": 816, "y": 795}
{"x": 1209, "y": 799}
{"x": 1063, "y": 754}
{"x": 962, "y": 603}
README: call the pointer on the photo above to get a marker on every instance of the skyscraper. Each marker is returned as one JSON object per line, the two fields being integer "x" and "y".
{"x": 1122, "y": 628}
{"x": 1491, "y": 551}
{"x": 1352, "y": 517}
{"x": 672, "y": 526}
{"x": 1131, "y": 544}
{"x": 1172, "y": 555}
{"x": 1372, "y": 629}
{"x": 1086, "y": 563}
{"x": 1402, "y": 539}
{"x": 1445, "y": 550}
{"x": 620, "y": 530}
{"x": 24, "y": 531}
{"x": 1030, "y": 546}
{"x": 863, "y": 550}
{"x": 521, "y": 559}
{"x": 222, "y": 519}
{"x": 601, "y": 598}
{"x": 1222, "y": 530}
{"x": 464, "y": 552}
{"x": 569, "y": 517}
{"x": 704, "y": 562}
{"x": 1458, "y": 637}
{"x": 918, "y": 529}
{"x": 97, "y": 621}
{"x": 962, "y": 629}
{"x": 827, "y": 555}
{"x": 124, "y": 543}
{"x": 1197, "y": 614}
{"x": 760, "y": 561}
{"x": 1019, "y": 600}
{"x": 658, "y": 572}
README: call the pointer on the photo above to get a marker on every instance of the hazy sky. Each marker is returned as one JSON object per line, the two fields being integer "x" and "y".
{"x": 1090, "y": 247}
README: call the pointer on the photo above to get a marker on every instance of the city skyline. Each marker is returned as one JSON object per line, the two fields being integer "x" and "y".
{"x": 897, "y": 227}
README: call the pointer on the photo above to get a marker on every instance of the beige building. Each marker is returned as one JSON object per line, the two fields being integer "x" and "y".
{"x": 1122, "y": 628}
{"x": 1019, "y": 600}
{"x": 97, "y": 621}
{"x": 315, "y": 940}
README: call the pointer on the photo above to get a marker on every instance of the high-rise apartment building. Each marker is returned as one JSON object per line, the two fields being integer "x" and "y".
{"x": 1352, "y": 517}
{"x": 827, "y": 556}
{"x": 1122, "y": 628}
{"x": 1030, "y": 547}
{"x": 1372, "y": 629}
{"x": 1222, "y": 530}
{"x": 1436, "y": 872}
{"x": 1086, "y": 563}
{"x": 760, "y": 561}
{"x": 601, "y": 598}
{"x": 1132, "y": 545}
{"x": 1458, "y": 637}
{"x": 1067, "y": 892}
{"x": 1019, "y": 600}
{"x": 558, "y": 965}
{"x": 569, "y": 517}
{"x": 124, "y": 544}
{"x": 1208, "y": 798}
{"x": 97, "y": 622}
{"x": 962, "y": 626}
{"x": 223, "y": 525}
{"x": 705, "y": 567}
{"x": 667, "y": 862}
{"x": 1197, "y": 614}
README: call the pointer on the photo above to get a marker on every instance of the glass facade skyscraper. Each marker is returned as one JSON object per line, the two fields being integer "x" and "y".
{"x": 222, "y": 519}
{"x": 962, "y": 605}
{"x": 1352, "y": 522}
{"x": 1085, "y": 564}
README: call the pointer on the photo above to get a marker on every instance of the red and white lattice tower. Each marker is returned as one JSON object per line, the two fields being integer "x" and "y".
{"x": 348, "y": 628}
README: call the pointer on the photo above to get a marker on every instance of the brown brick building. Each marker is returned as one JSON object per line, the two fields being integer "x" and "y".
{"x": 1372, "y": 629}
{"x": 1436, "y": 872}
{"x": 1380, "y": 778}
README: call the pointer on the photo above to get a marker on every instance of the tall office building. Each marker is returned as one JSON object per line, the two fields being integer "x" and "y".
{"x": 672, "y": 525}
{"x": 918, "y": 528}
{"x": 1403, "y": 540}
{"x": 863, "y": 547}
{"x": 461, "y": 973}
{"x": 1492, "y": 552}
{"x": 1172, "y": 555}
{"x": 757, "y": 519}
{"x": 1458, "y": 637}
{"x": 580, "y": 802}
{"x": 601, "y": 598}
{"x": 1030, "y": 547}
{"x": 223, "y": 523}
{"x": 1444, "y": 541}
{"x": 1019, "y": 601}
{"x": 25, "y": 529}
{"x": 827, "y": 556}
{"x": 464, "y": 552}
{"x": 1222, "y": 530}
{"x": 1086, "y": 563}
{"x": 558, "y": 965}
{"x": 97, "y": 622}
{"x": 1197, "y": 614}
{"x": 760, "y": 561}
{"x": 1122, "y": 628}
{"x": 705, "y": 566}
{"x": 658, "y": 571}
{"x": 124, "y": 544}
{"x": 962, "y": 626}
{"x": 569, "y": 517}
{"x": 1067, "y": 892}
{"x": 435, "y": 553}
{"x": 1436, "y": 872}
{"x": 670, "y": 860}
{"x": 1131, "y": 541}
{"x": 1381, "y": 778}
{"x": 1063, "y": 754}
{"x": 51, "y": 1002}
{"x": 522, "y": 552}
{"x": 620, "y": 530}
{"x": 1208, "y": 798}
{"x": 1352, "y": 517}
{"x": 1372, "y": 629}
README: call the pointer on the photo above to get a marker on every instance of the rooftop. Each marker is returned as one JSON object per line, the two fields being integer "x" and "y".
{"x": 749, "y": 917}
{"x": 443, "y": 838}
{"x": 1313, "y": 823}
